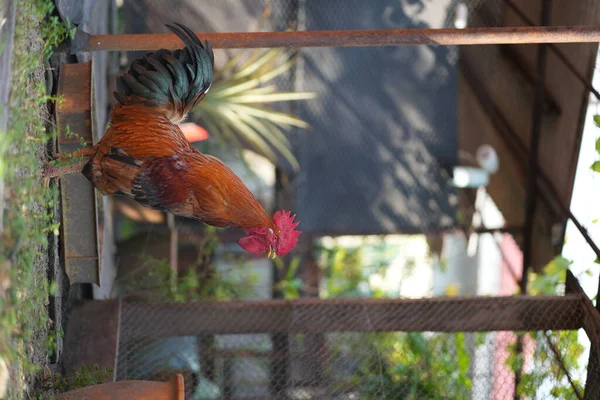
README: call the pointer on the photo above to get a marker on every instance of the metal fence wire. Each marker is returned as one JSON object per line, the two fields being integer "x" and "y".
{"x": 359, "y": 348}
{"x": 352, "y": 348}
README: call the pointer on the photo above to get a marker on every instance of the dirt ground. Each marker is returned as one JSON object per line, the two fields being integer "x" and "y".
{"x": 33, "y": 284}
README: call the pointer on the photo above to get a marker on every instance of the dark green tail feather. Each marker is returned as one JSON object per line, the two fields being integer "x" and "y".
{"x": 175, "y": 81}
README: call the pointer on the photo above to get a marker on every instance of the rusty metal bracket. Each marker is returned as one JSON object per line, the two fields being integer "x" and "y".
{"x": 75, "y": 123}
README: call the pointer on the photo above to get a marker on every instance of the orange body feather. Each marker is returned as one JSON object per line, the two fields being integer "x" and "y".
{"x": 156, "y": 165}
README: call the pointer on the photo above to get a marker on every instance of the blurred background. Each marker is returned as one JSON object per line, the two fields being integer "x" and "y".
{"x": 408, "y": 169}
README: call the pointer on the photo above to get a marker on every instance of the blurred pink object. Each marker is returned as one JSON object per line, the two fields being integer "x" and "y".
{"x": 193, "y": 132}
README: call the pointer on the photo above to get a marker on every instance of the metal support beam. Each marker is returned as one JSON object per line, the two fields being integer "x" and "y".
{"x": 441, "y": 314}
{"x": 532, "y": 178}
{"x": 532, "y": 170}
{"x": 391, "y": 37}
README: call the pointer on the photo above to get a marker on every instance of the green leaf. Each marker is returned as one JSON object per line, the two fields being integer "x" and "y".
{"x": 237, "y": 109}
{"x": 597, "y": 119}
{"x": 597, "y": 260}
{"x": 596, "y": 166}
{"x": 272, "y": 98}
{"x": 598, "y": 145}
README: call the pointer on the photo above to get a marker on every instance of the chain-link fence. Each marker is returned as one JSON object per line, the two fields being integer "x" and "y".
{"x": 351, "y": 349}
{"x": 437, "y": 100}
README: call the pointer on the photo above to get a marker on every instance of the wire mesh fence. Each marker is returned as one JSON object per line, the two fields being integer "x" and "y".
{"x": 354, "y": 349}
{"x": 471, "y": 348}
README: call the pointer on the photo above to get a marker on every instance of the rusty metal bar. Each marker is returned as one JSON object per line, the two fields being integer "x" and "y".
{"x": 561, "y": 56}
{"x": 354, "y": 38}
{"x": 444, "y": 314}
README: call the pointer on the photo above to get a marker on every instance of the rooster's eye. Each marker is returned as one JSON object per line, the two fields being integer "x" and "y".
{"x": 275, "y": 237}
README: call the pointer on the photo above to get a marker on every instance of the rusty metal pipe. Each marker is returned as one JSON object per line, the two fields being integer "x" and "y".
{"x": 354, "y": 38}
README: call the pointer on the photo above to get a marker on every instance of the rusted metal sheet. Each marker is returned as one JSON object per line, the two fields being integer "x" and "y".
{"x": 354, "y": 38}
{"x": 92, "y": 336}
{"x": 75, "y": 121}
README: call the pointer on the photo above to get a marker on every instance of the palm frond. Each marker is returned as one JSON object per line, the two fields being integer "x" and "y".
{"x": 238, "y": 109}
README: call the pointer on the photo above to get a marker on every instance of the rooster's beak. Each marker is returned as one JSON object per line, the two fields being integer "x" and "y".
{"x": 271, "y": 254}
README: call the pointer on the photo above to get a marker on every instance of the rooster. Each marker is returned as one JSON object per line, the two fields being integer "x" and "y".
{"x": 144, "y": 154}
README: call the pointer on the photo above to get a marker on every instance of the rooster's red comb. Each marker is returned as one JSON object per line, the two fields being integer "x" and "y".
{"x": 284, "y": 220}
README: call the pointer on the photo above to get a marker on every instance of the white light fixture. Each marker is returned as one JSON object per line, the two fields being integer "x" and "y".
{"x": 487, "y": 158}
{"x": 469, "y": 177}
{"x": 462, "y": 16}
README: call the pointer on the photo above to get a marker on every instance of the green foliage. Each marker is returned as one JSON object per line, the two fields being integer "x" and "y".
{"x": 566, "y": 343}
{"x": 155, "y": 280}
{"x": 53, "y": 30}
{"x": 88, "y": 375}
{"x": 237, "y": 107}
{"x": 410, "y": 365}
{"x": 290, "y": 284}
{"x": 343, "y": 271}
{"x": 547, "y": 370}
{"x": 551, "y": 279}
{"x": 26, "y": 206}
{"x": 596, "y": 165}
{"x": 413, "y": 365}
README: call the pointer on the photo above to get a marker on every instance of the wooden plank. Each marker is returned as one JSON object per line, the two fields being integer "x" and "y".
{"x": 79, "y": 227}
{"x": 456, "y": 314}
{"x": 591, "y": 325}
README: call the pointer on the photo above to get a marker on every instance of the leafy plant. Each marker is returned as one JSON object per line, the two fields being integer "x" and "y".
{"x": 398, "y": 365}
{"x": 237, "y": 107}
{"x": 596, "y": 165}
{"x": 88, "y": 375}
{"x": 154, "y": 280}
{"x": 342, "y": 270}
{"x": 565, "y": 343}
{"x": 290, "y": 284}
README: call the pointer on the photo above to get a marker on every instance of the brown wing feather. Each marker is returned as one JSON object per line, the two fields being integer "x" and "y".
{"x": 147, "y": 157}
